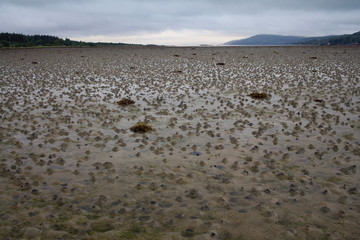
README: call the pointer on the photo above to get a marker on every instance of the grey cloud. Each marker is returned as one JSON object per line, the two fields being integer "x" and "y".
{"x": 244, "y": 17}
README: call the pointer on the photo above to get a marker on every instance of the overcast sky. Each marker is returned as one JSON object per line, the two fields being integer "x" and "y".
{"x": 178, "y": 22}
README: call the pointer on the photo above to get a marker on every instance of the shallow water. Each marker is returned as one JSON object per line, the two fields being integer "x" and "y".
{"x": 285, "y": 167}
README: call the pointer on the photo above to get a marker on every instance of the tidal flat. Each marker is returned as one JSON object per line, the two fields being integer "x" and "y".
{"x": 216, "y": 162}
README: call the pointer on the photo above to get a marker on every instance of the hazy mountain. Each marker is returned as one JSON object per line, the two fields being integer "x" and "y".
{"x": 266, "y": 39}
{"x": 346, "y": 39}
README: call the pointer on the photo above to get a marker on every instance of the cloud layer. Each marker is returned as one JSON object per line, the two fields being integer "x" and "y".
{"x": 186, "y": 22}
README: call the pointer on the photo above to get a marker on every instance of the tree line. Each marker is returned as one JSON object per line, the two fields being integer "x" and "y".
{"x": 22, "y": 40}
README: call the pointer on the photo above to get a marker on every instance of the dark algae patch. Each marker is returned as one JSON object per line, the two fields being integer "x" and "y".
{"x": 125, "y": 102}
{"x": 258, "y": 95}
{"x": 141, "y": 128}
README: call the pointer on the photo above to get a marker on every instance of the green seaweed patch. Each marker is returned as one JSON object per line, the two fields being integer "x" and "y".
{"x": 141, "y": 128}
{"x": 125, "y": 102}
{"x": 258, "y": 95}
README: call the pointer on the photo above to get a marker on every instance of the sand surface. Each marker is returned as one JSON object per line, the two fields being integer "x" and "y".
{"x": 218, "y": 164}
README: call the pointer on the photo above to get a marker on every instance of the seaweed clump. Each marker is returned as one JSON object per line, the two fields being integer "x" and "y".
{"x": 141, "y": 128}
{"x": 258, "y": 95}
{"x": 318, "y": 100}
{"x": 125, "y": 102}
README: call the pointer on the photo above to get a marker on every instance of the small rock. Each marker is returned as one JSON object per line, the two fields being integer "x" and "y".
{"x": 165, "y": 204}
{"x": 108, "y": 165}
{"x": 235, "y": 166}
{"x": 306, "y": 172}
{"x": 254, "y": 168}
{"x": 205, "y": 207}
{"x": 116, "y": 203}
{"x": 192, "y": 193}
{"x": 35, "y": 192}
{"x": 179, "y": 199}
{"x": 189, "y": 232}
{"x": 32, "y": 214}
{"x": 169, "y": 223}
{"x": 195, "y": 153}
{"x": 144, "y": 218}
{"x": 348, "y": 170}
{"x": 342, "y": 199}
{"x": 352, "y": 191}
{"x": 325, "y": 209}
{"x": 122, "y": 210}
{"x": 340, "y": 214}
{"x": 153, "y": 186}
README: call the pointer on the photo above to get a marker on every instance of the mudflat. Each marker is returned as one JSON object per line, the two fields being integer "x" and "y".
{"x": 238, "y": 143}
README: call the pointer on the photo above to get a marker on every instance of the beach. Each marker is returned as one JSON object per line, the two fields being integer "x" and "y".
{"x": 217, "y": 164}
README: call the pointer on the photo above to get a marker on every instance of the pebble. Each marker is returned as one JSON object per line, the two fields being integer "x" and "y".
{"x": 348, "y": 170}
{"x": 188, "y": 232}
{"x": 195, "y": 153}
{"x": 325, "y": 209}
{"x": 144, "y": 218}
{"x": 352, "y": 191}
{"x": 192, "y": 193}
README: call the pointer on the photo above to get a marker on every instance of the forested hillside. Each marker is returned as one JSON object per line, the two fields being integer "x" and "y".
{"x": 21, "y": 40}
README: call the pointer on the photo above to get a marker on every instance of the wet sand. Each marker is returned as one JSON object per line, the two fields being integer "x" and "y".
{"x": 218, "y": 164}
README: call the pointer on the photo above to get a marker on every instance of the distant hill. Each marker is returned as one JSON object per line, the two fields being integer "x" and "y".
{"x": 21, "y": 40}
{"x": 267, "y": 39}
{"x": 346, "y": 39}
